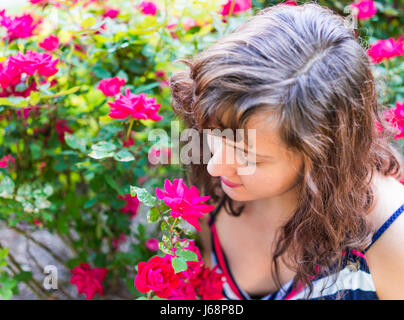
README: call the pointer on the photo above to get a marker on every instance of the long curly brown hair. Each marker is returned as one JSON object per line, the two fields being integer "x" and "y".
{"x": 306, "y": 65}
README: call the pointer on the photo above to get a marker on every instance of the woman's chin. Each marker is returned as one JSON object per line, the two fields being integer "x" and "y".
{"x": 236, "y": 193}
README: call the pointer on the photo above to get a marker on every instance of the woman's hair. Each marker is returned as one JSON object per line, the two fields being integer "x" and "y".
{"x": 304, "y": 65}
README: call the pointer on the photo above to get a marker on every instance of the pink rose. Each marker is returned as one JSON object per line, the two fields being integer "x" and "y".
{"x": 32, "y": 62}
{"x": 18, "y": 27}
{"x": 385, "y": 49}
{"x": 62, "y": 127}
{"x": 10, "y": 75}
{"x": 148, "y": 7}
{"x": 395, "y": 117}
{"x": 364, "y": 9}
{"x": 50, "y": 43}
{"x": 111, "y": 86}
{"x": 88, "y": 280}
{"x": 157, "y": 275}
{"x": 239, "y": 6}
{"x": 289, "y": 3}
{"x": 132, "y": 204}
{"x": 5, "y": 160}
{"x": 152, "y": 244}
{"x": 111, "y": 13}
{"x": 184, "y": 202}
{"x": 136, "y": 106}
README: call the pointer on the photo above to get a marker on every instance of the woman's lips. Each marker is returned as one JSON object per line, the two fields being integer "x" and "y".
{"x": 230, "y": 184}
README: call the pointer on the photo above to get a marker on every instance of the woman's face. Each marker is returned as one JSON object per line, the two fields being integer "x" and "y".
{"x": 276, "y": 168}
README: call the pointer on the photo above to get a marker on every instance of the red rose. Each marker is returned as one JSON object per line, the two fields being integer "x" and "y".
{"x": 211, "y": 285}
{"x": 157, "y": 275}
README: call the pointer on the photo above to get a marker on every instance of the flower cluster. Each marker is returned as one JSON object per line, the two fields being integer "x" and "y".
{"x": 181, "y": 273}
{"x": 17, "y": 68}
{"x": 196, "y": 283}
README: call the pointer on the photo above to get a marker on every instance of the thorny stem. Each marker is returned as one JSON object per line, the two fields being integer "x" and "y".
{"x": 130, "y": 128}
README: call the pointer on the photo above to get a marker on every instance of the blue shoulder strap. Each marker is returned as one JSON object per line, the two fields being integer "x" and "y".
{"x": 385, "y": 225}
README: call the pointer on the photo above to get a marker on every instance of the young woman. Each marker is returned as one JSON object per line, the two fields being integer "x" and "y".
{"x": 319, "y": 218}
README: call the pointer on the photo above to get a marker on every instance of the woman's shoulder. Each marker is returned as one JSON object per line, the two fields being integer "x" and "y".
{"x": 385, "y": 257}
{"x": 389, "y": 196}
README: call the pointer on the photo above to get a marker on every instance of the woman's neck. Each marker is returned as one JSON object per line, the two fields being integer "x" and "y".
{"x": 274, "y": 211}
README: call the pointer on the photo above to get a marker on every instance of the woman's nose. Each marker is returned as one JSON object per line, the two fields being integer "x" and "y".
{"x": 222, "y": 162}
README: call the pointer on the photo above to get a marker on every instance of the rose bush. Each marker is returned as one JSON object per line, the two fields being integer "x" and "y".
{"x": 82, "y": 84}
{"x": 180, "y": 274}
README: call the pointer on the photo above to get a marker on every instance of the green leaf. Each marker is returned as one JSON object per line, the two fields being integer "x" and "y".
{"x": 90, "y": 203}
{"x": 111, "y": 182}
{"x": 6, "y": 293}
{"x": 102, "y": 73}
{"x": 146, "y": 87}
{"x": 153, "y": 215}
{"x": 188, "y": 255}
{"x": 34, "y": 97}
{"x": 75, "y": 142}
{"x": 122, "y": 75}
{"x": 102, "y": 149}
{"x": 89, "y": 22}
{"x": 164, "y": 226}
{"x": 104, "y": 146}
{"x": 23, "y": 276}
{"x": 3, "y": 253}
{"x": 143, "y": 195}
{"x": 124, "y": 156}
{"x": 36, "y": 150}
{"x": 179, "y": 264}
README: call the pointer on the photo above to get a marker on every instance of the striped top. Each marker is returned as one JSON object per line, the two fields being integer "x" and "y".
{"x": 353, "y": 282}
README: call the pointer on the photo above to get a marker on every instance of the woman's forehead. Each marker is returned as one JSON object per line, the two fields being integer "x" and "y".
{"x": 265, "y": 130}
